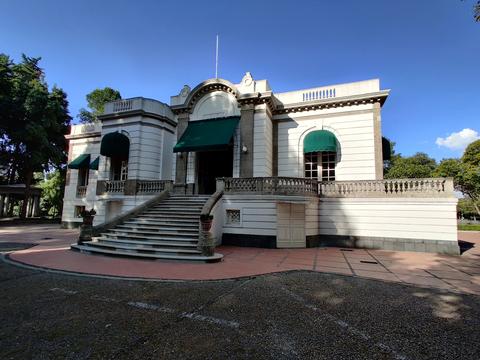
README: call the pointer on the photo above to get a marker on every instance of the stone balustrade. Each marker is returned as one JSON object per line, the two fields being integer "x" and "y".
{"x": 430, "y": 187}
{"x": 270, "y": 185}
{"x": 133, "y": 187}
{"x": 81, "y": 191}
{"x": 152, "y": 186}
{"x": 114, "y": 186}
{"x": 138, "y": 104}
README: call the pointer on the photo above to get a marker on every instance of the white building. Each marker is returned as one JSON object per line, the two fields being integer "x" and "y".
{"x": 294, "y": 169}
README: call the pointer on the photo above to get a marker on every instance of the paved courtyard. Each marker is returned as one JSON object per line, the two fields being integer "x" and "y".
{"x": 296, "y": 315}
{"x": 336, "y": 311}
{"x": 455, "y": 273}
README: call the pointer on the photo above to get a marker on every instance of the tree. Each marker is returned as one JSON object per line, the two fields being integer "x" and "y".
{"x": 472, "y": 154}
{"x": 33, "y": 121}
{"x": 96, "y": 101}
{"x": 448, "y": 168}
{"x": 51, "y": 201}
{"x": 465, "y": 172}
{"x": 419, "y": 165}
{"x": 476, "y": 10}
{"x": 468, "y": 178}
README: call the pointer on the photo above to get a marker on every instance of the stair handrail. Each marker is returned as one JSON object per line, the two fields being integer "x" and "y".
{"x": 130, "y": 214}
{"x": 206, "y": 242}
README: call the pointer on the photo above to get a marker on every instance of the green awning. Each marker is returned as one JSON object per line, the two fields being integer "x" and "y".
{"x": 212, "y": 134}
{"x": 115, "y": 144}
{"x": 94, "y": 163}
{"x": 82, "y": 161}
{"x": 319, "y": 141}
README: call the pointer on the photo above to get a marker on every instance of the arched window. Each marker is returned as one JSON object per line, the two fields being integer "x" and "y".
{"x": 320, "y": 148}
{"x": 116, "y": 147}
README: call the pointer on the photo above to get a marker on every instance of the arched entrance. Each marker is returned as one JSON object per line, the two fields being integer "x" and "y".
{"x": 212, "y": 142}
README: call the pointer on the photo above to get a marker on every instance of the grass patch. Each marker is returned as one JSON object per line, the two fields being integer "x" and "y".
{"x": 469, "y": 227}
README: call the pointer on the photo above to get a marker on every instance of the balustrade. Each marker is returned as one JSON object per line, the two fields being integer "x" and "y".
{"x": 431, "y": 187}
{"x": 114, "y": 186}
{"x": 388, "y": 187}
{"x": 271, "y": 185}
{"x": 81, "y": 191}
{"x": 122, "y": 105}
{"x": 151, "y": 186}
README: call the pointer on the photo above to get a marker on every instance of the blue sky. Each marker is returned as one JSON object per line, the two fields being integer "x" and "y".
{"x": 427, "y": 52}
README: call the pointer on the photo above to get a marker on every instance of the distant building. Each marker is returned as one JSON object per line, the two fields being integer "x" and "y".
{"x": 293, "y": 169}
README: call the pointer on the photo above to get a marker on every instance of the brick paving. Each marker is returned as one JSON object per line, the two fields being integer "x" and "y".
{"x": 455, "y": 273}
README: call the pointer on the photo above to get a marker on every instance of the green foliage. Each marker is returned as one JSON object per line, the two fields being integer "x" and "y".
{"x": 419, "y": 165}
{"x": 471, "y": 155}
{"x": 469, "y": 227}
{"x": 466, "y": 207}
{"x": 96, "y": 101}
{"x": 51, "y": 201}
{"x": 33, "y": 121}
{"x": 448, "y": 168}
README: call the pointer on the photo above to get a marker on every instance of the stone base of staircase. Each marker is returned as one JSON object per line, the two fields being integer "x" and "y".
{"x": 166, "y": 231}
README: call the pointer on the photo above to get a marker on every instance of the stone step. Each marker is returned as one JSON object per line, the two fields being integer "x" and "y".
{"x": 161, "y": 222}
{"x": 142, "y": 247}
{"x": 169, "y": 243}
{"x": 162, "y": 233}
{"x": 179, "y": 211}
{"x": 175, "y": 209}
{"x": 149, "y": 237}
{"x": 91, "y": 249}
{"x": 169, "y": 216}
{"x": 157, "y": 231}
{"x": 153, "y": 227}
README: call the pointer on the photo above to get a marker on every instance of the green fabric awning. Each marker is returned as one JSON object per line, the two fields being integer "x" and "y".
{"x": 212, "y": 134}
{"x": 94, "y": 163}
{"x": 82, "y": 161}
{"x": 115, "y": 144}
{"x": 319, "y": 141}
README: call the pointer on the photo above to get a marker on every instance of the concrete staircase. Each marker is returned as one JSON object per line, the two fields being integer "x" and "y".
{"x": 168, "y": 230}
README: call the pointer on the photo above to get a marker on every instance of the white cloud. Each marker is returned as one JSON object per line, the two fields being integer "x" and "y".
{"x": 458, "y": 140}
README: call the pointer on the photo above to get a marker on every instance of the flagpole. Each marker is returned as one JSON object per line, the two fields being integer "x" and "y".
{"x": 216, "y": 60}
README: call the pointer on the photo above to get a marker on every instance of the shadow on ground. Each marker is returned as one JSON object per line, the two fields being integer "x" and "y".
{"x": 283, "y": 316}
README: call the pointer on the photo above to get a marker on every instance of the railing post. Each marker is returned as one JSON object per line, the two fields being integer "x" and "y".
{"x": 220, "y": 184}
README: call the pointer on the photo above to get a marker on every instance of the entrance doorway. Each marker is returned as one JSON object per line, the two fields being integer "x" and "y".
{"x": 212, "y": 165}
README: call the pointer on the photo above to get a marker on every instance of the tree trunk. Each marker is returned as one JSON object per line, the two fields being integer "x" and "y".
{"x": 477, "y": 208}
{"x": 28, "y": 181}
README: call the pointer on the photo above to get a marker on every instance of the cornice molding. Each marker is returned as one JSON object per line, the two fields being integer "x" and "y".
{"x": 372, "y": 98}
{"x": 138, "y": 112}
{"x": 202, "y": 89}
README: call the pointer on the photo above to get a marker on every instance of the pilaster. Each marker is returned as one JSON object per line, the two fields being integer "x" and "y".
{"x": 182, "y": 158}
{"x": 377, "y": 137}
{"x": 246, "y": 140}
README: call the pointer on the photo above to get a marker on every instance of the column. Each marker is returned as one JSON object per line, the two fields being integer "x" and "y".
{"x": 246, "y": 140}
{"x": 6, "y": 205}
{"x": 182, "y": 158}
{"x": 1, "y": 204}
{"x": 36, "y": 206}
{"x": 29, "y": 206}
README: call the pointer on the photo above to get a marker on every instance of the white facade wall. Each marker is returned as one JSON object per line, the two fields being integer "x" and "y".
{"x": 258, "y": 213}
{"x": 78, "y": 147}
{"x": 354, "y": 128}
{"x": 150, "y": 155}
{"x": 262, "y": 143}
{"x": 406, "y": 218}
